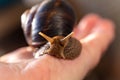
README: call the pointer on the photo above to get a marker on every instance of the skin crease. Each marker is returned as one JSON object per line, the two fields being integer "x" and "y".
{"x": 95, "y": 34}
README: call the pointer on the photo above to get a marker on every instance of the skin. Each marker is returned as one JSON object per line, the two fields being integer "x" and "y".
{"x": 95, "y": 34}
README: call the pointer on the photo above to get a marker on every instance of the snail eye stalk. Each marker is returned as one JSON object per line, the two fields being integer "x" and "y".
{"x": 49, "y": 39}
{"x": 68, "y": 36}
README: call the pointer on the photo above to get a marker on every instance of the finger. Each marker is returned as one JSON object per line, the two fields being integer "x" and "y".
{"x": 97, "y": 42}
{"x": 85, "y": 25}
{"x": 101, "y": 36}
{"x": 93, "y": 45}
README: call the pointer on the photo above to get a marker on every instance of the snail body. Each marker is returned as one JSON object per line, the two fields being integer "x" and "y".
{"x": 55, "y": 19}
{"x": 60, "y": 47}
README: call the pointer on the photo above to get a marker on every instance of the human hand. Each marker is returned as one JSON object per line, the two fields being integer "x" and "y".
{"x": 95, "y": 34}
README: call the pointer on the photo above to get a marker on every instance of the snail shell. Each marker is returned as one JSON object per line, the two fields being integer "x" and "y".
{"x": 52, "y": 17}
{"x": 56, "y": 19}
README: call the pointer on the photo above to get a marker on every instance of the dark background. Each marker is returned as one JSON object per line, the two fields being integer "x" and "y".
{"x": 11, "y": 35}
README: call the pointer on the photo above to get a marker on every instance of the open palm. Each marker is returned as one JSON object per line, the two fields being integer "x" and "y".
{"x": 94, "y": 33}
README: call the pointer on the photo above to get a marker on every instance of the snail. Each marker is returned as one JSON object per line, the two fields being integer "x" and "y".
{"x": 48, "y": 27}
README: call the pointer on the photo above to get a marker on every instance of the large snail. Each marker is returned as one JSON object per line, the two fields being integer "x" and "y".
{"x": 48, "y": 26}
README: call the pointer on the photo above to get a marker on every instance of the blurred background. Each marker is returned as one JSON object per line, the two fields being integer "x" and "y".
{"x": 11, "y": 35}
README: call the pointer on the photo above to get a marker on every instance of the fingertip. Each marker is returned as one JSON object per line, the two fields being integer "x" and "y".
{"x": 110, "y": 24}
{"x": 85, "y": 25}
{"x": 88, "y": 20}
{"x": 101, "y": 35}
{"x": 106, "y": 27}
